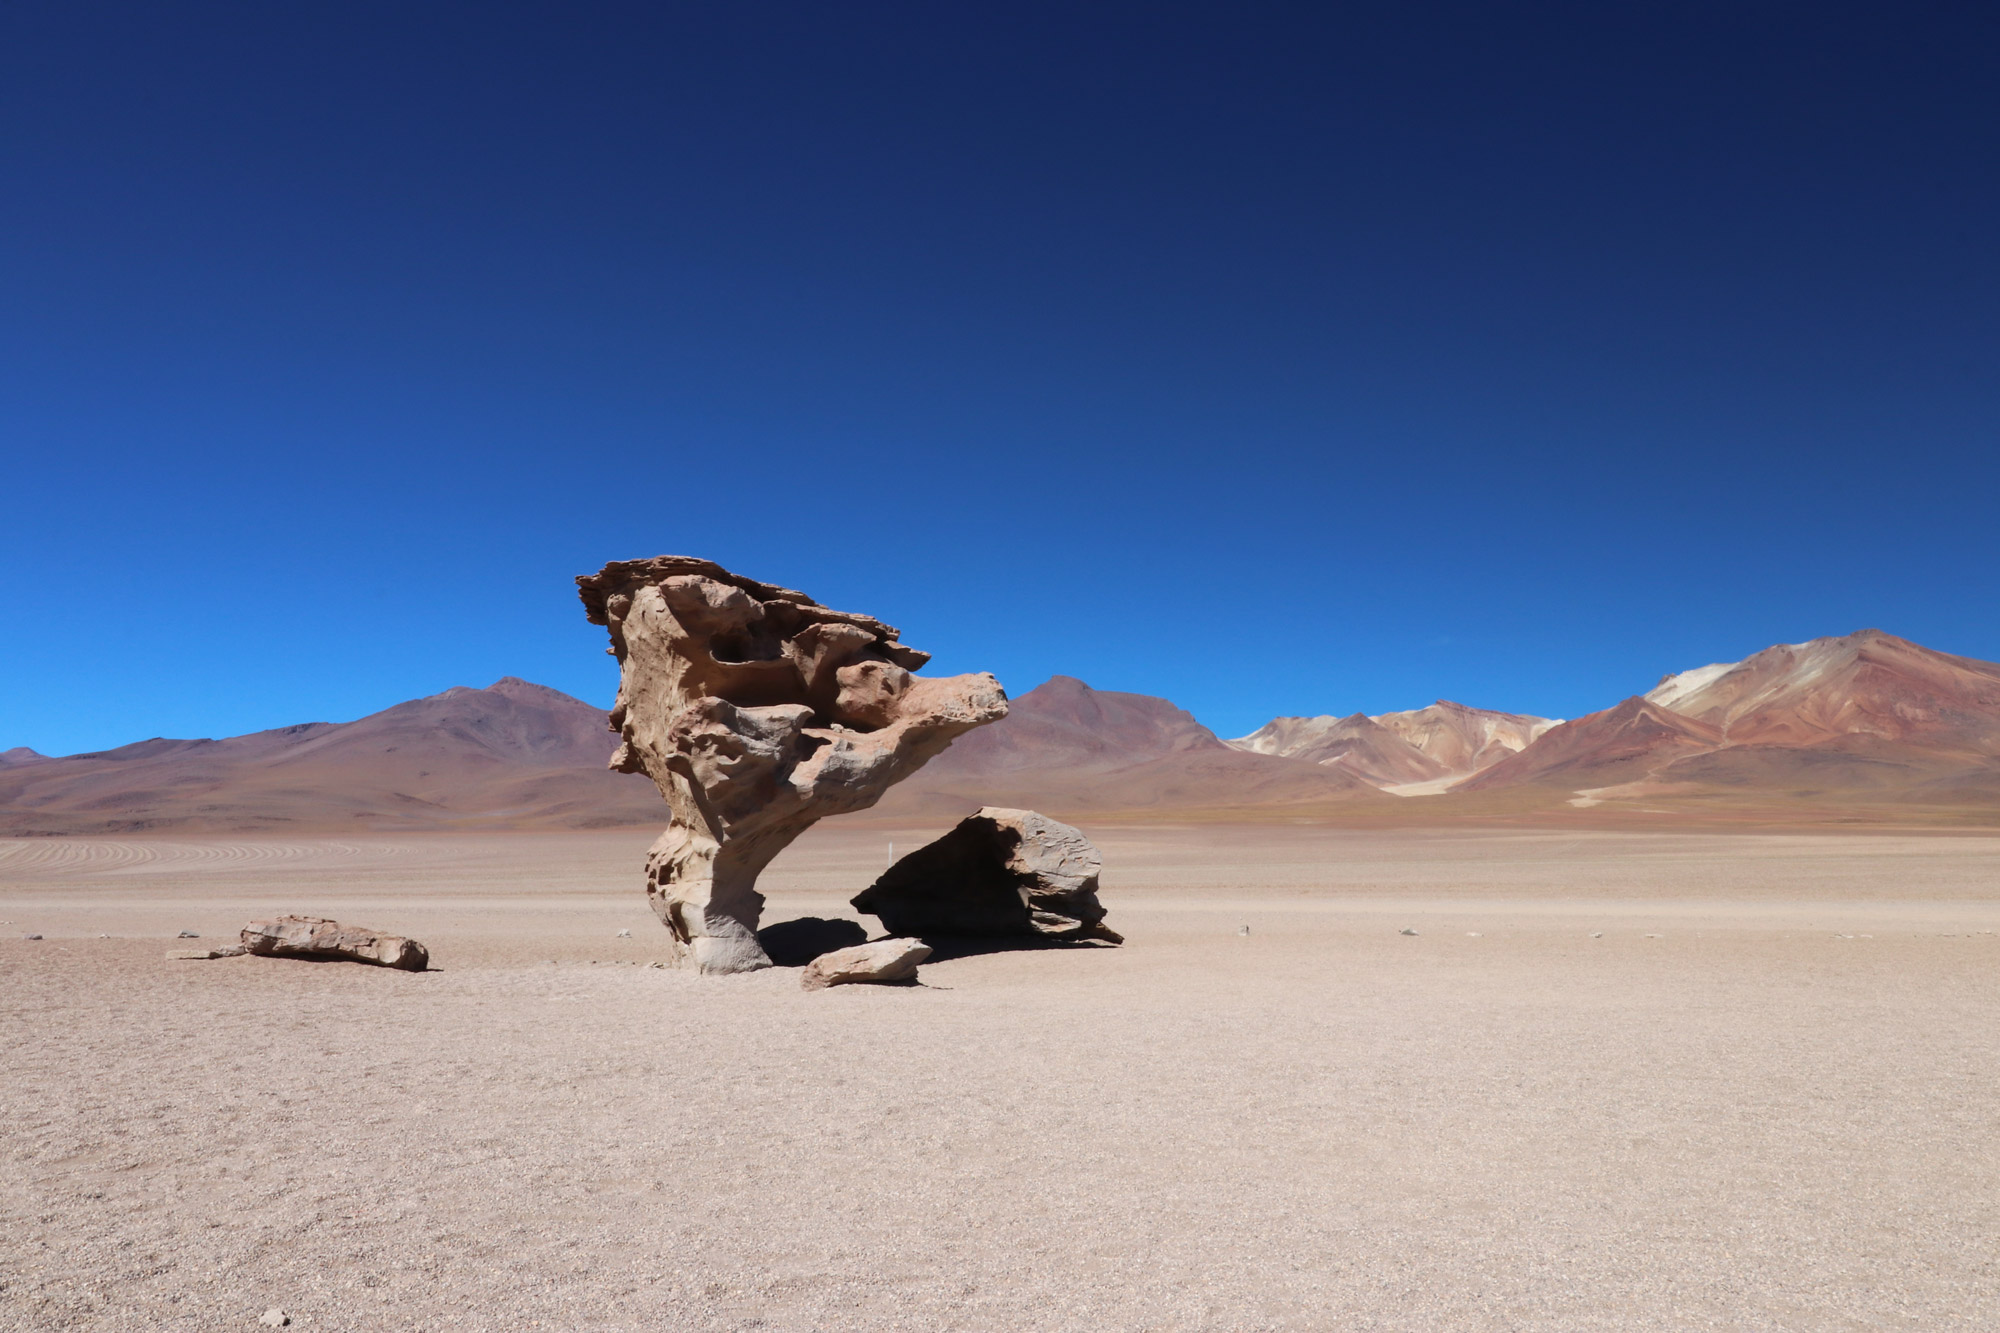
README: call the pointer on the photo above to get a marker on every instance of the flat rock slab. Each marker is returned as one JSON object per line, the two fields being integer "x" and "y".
{"x": 882, "y": 961}
{"x": 315, "y": 937}
{"x": 200, "y": 955}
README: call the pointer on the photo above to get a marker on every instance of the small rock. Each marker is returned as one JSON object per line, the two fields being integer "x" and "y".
{"x": 658, "y": 964}
{"x": 31, "y": 937}
{"x": 624, "y": 934}
{"x": 1597, "y": 934}
{"x": 274, "y": 1318}
{"x": 200, "y": 955}
{"x": 187, "y": 935}
{"x": 1651, "y": 936}
{"x": 1472, "y": 934}
{"x": 1244, "y": 931}
{"x": 1407, "y": 931}
{"x": 884, "y": 960}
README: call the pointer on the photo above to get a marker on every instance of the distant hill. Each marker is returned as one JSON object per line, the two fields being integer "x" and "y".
{"x": 519, "y": 755}
{"x": 1067, "y": 748}
{"x": 1864, "y": 719}
{"x": 514, "y": 754}
{"x": 1424, "y": 746}
{"x": 1864, "y": 727}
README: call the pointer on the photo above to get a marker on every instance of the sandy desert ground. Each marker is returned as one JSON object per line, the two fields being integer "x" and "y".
{"x": 1615, "y": 1081}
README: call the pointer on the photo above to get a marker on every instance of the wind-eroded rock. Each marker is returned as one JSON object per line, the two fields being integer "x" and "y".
{"x": 998, "y": 873}
{"x": 757, "y": 712}
{"x": 318, "y": 938}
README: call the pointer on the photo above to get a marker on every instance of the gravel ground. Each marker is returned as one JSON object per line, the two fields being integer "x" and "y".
{"x": 1613, "y": 1082}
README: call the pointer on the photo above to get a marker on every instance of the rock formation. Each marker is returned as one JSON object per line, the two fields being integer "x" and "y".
{"x": 998, "y": 873}
{"x": 315, "y": 937}
{"x": 881, "y": 961}
{"x": 757, "y": 712}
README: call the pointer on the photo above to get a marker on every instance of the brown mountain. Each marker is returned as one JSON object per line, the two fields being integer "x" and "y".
{"x": 1466, "y": 740}
{"x": 514, "y": 754}
{"x": 1868, "y": 684}
{"x": 1065, "y": 747}
{"x": 1423, "y": 745}
{"x": 1622, "y": 744}
{"x": 1356, "y": 744}
{"x": 1860, "y": 719}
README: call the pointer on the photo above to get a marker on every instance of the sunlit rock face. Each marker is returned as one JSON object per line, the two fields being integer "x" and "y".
{"x": 757, "y": 712}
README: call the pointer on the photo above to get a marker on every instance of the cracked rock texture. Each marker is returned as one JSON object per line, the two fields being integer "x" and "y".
{"x": 998, "y": 873}
{"x": 757, "y": 712}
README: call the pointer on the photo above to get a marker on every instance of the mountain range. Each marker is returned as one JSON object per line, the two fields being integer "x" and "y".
{"x": 1863, "y": 727}
{"x": 1420, "y": 752}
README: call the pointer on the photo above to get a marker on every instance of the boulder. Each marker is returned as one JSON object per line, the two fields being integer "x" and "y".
{"x": 315, "y": 937}
{"x": 999, "y": 873}
{"x": 757, "y": 712}
{"x": 881, "y": 961}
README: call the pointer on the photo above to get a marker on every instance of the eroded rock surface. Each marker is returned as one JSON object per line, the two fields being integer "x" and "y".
{"x": 879, "y": 962}
{"x": 757, "y": 712}
{"x": 999, "y": 873}
{"x": 317, "y": 937}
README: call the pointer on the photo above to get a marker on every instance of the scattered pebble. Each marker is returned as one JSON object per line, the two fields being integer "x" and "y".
{"x": 1472, "y": 934}
{"x": 31, "y": 937}
{"x": 187, "y": 935}
{"x": 624, "y": 934}
{"x": 1597, "y": 934}
{"x": 659, "y": 965}
{"x": 1651, "y": 936}
{"x": 1407, "y": 931}
{"x": 1244, "y": 931}
{"x": 274, "y": 1318}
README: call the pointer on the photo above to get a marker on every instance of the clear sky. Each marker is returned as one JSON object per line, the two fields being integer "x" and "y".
{"x": 1274, "y": 359}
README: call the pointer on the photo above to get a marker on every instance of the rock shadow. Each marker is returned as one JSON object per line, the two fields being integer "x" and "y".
{"x": 796, "y": 943}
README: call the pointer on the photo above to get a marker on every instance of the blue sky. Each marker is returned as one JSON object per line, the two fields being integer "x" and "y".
{"x": 1274, "y": 359}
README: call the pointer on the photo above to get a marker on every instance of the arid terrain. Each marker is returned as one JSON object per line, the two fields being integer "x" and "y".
{"x": 1614, "y": 1081}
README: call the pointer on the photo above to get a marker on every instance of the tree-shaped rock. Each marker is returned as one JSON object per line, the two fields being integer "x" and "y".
{"x": 757, "y": 712}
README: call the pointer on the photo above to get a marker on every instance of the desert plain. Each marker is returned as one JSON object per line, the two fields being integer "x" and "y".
{"x": 1615, "y": 1080}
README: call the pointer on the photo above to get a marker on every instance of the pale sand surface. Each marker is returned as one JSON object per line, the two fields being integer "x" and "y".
{"x": 1746, "y": 1123}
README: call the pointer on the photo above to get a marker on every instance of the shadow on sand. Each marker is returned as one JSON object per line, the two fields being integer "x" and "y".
{"x": 796, "y": 943}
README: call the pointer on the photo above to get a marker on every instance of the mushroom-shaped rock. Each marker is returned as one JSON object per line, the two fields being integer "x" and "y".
{"x": 316, "y": 937}
{"x": 999, "y": 873}
{"x": 881, "y": 961}
{"x": 757, "y": 712}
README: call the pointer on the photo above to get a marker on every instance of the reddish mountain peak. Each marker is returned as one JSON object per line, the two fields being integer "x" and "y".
{"x": 20, "y": 754}
{"x": 1617, "y": 744}
{"x": 1865, "y": 684}
{"x": 1064, "y": 721}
